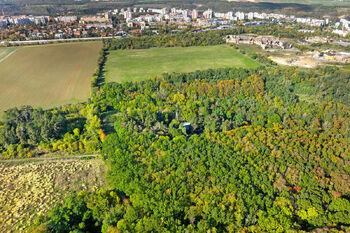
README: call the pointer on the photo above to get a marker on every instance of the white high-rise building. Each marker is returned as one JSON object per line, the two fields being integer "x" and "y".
{"x": 128, "y": 15}
{"x": 345, "y": 23}
{"x": 66, "y": 19}
{"x": 240, "y": 15}
{"x": 194, "y": 14}
{"x": 229, "y": 15}
{"x": 208, "y": 14}
{"x": 164, "y": 11}
{"x": 250, "y": 15}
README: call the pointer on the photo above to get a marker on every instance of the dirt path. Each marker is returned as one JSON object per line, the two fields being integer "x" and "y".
{"x": 3, "y": 59}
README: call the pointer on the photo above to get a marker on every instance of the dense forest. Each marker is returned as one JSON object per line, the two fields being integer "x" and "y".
{"x": 28, "y": 132}
{"x": 227, "y": 150}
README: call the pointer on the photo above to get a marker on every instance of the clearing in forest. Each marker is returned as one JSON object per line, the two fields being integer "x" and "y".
{"x": 140, "y": 64}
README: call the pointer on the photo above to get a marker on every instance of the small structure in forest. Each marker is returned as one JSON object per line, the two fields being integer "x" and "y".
{"x": 186, "y": 125}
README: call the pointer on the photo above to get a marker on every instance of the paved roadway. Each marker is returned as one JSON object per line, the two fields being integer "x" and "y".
{"x": 29, "y": 42}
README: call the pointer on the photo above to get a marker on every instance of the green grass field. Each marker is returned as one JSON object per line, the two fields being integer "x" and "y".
{"x": 48, "y": 75}
{"x": 128, "y": 65}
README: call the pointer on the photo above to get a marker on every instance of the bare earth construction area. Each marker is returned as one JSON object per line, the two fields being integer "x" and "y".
{"x": 48, "y": 75}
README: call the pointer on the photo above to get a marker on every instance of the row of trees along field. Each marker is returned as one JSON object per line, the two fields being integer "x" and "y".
{"x": 267, "y": 150}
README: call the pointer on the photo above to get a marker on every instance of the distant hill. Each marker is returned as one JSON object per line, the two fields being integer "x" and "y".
{"x": 323, "y": 2}
{"x": 298, "y": 7}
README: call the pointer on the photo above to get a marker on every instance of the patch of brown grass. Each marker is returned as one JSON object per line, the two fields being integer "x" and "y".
{"x": 31, "y": 189}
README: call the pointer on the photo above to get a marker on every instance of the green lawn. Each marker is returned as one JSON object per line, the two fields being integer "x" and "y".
{"x": 129, "y": 65}
{"x": 47, "y": 75}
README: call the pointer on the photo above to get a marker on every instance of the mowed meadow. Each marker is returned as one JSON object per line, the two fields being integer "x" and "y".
{"x": 47, "y": 75}
{"x": 140, "y": 64}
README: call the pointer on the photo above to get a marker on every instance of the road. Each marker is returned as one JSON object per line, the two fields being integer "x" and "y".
{"x": 48, "y": 158}
{"x": 29, "y": 42}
